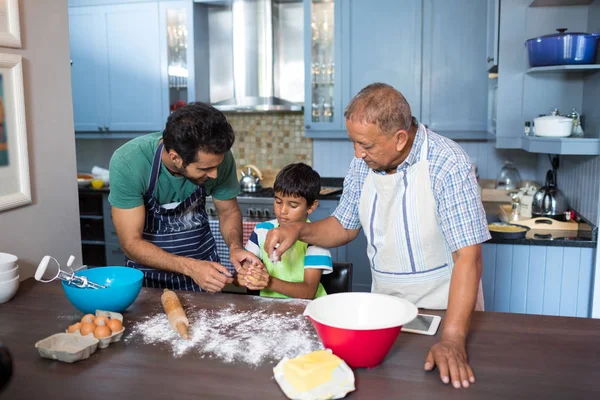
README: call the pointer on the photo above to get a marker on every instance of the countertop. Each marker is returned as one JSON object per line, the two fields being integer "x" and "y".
{"x": 585, "y": 236}
{"x": 514, "y": 356}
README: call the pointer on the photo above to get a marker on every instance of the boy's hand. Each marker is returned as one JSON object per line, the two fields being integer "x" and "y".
{"x": 254, "y": 276}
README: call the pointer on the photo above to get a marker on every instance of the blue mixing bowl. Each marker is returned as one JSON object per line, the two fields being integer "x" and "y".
{"x": 124, "y": 285}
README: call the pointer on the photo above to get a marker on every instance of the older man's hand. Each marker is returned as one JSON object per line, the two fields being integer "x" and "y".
{"x": 450, "y": 356}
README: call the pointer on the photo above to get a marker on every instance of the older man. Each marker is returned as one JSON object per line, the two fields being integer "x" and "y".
{"x": 415, "y": 194}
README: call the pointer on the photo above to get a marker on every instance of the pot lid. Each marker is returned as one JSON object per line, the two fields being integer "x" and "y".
{"x": 562, "y": 32}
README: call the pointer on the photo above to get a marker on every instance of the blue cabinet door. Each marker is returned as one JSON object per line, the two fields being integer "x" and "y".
{"x": 548, "y": 280}
{"x": 88, "y": 68}
{"x": 455, "y": 85}
{"x": 385, "y": 46}
{"x": 324, "y": 68}
{"x": 493, "y": 25}
{"x": 134, "y": 67}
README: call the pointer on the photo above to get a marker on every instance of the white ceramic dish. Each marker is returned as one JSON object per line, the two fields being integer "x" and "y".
{"x": 553, "y": 126}
{"x": 115, "y": 337}
{"x": 67, "y": 347}
{"x": 9, "y": 275}
{"x": 8, "y": 289}
{"x": 7, "y": 262}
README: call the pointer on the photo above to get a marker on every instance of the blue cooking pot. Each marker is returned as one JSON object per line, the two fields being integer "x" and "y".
{"x": 562, "y": 49}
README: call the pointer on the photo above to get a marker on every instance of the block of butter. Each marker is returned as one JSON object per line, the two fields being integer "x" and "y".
{"x": 316, "y": 375}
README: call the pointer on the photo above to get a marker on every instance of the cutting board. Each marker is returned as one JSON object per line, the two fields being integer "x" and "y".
{"x": 539, "y": 223}
{"x": 325, "y": 190}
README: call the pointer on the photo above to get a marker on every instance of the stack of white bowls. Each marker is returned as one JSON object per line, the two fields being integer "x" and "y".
{"x": 9, "y": 276}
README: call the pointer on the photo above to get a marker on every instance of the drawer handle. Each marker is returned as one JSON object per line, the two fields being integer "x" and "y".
{"x": 117, "y": 250}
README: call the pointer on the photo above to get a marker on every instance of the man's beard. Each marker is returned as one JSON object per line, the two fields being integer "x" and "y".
{"x": 182, "y": 171}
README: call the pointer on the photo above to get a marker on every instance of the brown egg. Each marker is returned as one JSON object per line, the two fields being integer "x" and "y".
{"x": 101, "y": 321}
{"x": 74, "y": 327}
{"x": 88, "y": 318}
{"x": 115, "y": 325}
{"x": 87, "y": 328}
{"x": 101, "y": 331}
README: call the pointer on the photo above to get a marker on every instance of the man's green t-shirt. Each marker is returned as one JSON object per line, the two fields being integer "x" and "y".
{"x": 130, "y": 168}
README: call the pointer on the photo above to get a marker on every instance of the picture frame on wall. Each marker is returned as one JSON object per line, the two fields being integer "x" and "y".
{"x": 15, "y": 189}
{"x": 10, "y": 30}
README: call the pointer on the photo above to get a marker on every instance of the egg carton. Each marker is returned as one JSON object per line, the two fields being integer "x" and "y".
{"x": 72, "y": 347}
{"x": 67, "y": 347}
{"x": 114, "y": 337}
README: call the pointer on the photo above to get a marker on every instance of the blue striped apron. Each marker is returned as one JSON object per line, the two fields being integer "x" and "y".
{"x": 180, "y": 229}
{"x": 408, "y": 253}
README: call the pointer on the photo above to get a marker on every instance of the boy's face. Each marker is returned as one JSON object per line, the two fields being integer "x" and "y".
{"x": 290, "y": 209}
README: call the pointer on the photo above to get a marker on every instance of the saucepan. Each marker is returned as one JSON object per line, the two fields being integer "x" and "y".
{"x": 562, "y": 48}
{"x": 553, "y": 126}
{"x": 501, "y": 230}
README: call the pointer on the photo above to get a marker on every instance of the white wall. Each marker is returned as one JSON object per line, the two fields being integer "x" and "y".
{"x": 50, "y": 225}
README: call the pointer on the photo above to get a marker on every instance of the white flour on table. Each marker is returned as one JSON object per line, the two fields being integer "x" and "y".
{"x": 232, "y": 335}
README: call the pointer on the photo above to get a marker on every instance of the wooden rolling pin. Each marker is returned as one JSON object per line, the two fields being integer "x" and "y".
{"x": 175, "y": 313}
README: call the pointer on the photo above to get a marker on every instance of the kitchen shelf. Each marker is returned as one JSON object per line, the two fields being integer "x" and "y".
{"x": 563, "y": 146}
{"x": 560, "y": 3}
{"x": 563, "y": 68}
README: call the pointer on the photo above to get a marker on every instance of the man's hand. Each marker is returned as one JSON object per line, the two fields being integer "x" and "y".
{"x": 450, "y": 356}
{"x": 210, "y": 276}
{"x": 279, "y": 240}
{"x": 253, "y": 276}
{"x": 238, "y": 256}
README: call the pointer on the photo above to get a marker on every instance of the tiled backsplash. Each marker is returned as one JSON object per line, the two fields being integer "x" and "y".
{"x": 267, "y": 140}
{"x": 270, "y": 140}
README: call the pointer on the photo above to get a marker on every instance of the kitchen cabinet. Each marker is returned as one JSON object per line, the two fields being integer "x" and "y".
{"x": 116, "y": 67}
{"x": 323, "y": 63}
{"x": 454, "y": 91}
{"x": 385, "y": 44}
{"x": 429, "y": 57}
{"x": 523, "y": 93}
{"x": 493, "y": 31}
{"x": 176, "y": 24}
{"x": 549, "y": 280}
{"x": 100, "y": 244}
{"x": 88, "y": 66}
{"x": 91, "y": 226}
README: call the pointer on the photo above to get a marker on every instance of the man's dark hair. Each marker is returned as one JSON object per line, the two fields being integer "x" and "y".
{"x": 197, "y": 127}
{"x": 298, "y": 180}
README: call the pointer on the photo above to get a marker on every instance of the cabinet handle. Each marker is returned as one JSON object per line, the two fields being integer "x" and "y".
{"x": 307, "y": 126}
{"x": 117, "y": 250}
{"x": 490, "y": 59}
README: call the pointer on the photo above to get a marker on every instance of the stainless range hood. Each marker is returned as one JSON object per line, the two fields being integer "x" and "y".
{"x": 264, "y": 65}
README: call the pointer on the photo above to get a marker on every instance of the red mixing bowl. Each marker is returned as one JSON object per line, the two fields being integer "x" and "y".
{"x": 360, "y": 328}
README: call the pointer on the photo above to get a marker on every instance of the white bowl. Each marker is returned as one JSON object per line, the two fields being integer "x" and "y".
{"x": 361, "y": 311}
{"x": 7, "y": 262}
{"x": 9, "y": 275}
{"x": 8, "y": 289}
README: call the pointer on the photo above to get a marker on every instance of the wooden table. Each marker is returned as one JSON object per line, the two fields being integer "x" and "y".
{"x": 514, "y": 356}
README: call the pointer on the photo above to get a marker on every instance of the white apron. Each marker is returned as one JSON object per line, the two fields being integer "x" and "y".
{"x": 408, "y": 253}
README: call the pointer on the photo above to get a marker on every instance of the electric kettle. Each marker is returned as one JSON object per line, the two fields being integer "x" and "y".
{"x": 549, "y": 201}
{"x": 251, "y": 180}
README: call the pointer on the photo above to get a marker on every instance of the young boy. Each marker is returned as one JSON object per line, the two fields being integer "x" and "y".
{"x": 298, "y": 273}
